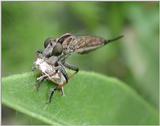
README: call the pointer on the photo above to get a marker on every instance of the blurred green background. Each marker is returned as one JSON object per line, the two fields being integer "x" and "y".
{"x": 133, "y": 59}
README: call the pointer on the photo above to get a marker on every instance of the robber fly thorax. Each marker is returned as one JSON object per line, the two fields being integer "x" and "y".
{"x": 51, "y": 62}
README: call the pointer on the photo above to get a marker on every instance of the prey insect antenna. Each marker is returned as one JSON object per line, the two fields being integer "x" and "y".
{"x": 114, "y": 39}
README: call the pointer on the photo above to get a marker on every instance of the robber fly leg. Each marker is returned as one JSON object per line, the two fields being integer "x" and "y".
{"x": 40, "y": 80}
{"x": 33, "y": 68}
{"x": 63, "y": 71}
{"x": 63, "y": 57}
{"x": 51, "y": 93}
{"x": 72, "y": 67}
{"x": 39, "y": 51}
{"x": 39, "y": 54}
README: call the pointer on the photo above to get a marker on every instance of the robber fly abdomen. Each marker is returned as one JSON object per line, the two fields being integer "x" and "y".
{"x": 52, "y": 60}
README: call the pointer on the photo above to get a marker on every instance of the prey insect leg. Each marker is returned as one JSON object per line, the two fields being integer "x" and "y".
{"x": 40, "y": 80}
{"x": 62, "y": 90}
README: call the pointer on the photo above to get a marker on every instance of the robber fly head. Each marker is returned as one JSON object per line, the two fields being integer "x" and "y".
{"x": 52, "y": 47}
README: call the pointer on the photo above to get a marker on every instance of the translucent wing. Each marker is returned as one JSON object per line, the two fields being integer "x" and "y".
{"x": 83, "y": 44}
{"x": 86, "y": 44}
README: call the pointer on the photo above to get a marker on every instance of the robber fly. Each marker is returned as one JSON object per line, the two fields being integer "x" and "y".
{"x": 52, "y": 60}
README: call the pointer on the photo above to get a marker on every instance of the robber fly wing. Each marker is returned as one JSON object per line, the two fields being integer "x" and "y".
{"x": 82, "y": 44}
{"x": 86, "y": 44}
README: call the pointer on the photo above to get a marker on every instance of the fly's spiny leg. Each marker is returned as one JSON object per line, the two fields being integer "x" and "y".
{"x": 33, "y": 68}
{"x": 63, "y": 71}
{"x": 72, "y": 67}
{"x": 51, "y": 93}
{"x": 63, "y": 57}
{"x": 39, "y": 54}
{"x": 39, "y": 51}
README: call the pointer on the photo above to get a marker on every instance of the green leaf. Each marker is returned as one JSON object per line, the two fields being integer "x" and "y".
{"x": 90, "y": 99}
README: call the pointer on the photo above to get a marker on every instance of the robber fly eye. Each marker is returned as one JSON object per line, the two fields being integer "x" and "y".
{"x": 57, "y": 50}
{"x": 48, "y": 41}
